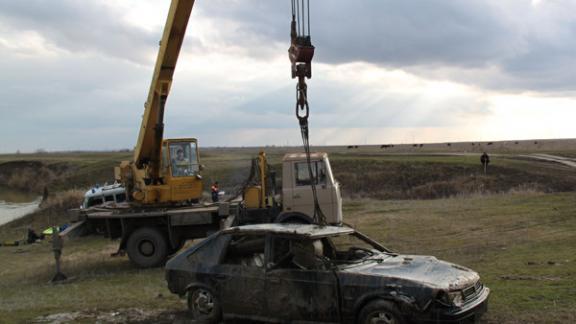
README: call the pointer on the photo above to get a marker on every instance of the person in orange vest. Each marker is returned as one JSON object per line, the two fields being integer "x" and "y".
{"x": 215, "y": 191}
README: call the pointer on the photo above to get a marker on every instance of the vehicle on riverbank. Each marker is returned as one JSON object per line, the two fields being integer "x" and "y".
{"x": 309, "y": 273}
{"x": 114, "y": 193}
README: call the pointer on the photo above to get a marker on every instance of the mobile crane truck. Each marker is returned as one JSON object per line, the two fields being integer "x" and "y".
{"x": 155, "y": 205}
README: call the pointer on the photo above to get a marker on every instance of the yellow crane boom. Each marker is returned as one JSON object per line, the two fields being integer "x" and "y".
{"x": 163, "y": 171}
{"x": 148, "y": 148}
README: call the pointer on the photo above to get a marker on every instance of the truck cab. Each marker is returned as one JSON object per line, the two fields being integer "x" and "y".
{"x": 297, "y": 195}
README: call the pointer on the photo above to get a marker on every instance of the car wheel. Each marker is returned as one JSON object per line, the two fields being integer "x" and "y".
{"x": 380, "y": 311}
{"x": 204, "y": 306}
{"x": 147, "y": 247}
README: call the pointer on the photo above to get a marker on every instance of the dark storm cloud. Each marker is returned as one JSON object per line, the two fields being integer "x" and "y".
{"x": 527, "y": 47}
{"x": 501, "y": 45}
{"x": 79, "y": 26}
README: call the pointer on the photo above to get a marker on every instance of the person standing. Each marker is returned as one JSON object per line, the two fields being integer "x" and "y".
{"x": 215, "y": 190}
{"x": 57, "y": 246}
{"x": 485, "y": 160}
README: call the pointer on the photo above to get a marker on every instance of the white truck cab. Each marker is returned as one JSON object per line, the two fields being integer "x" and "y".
{"x": 297, "y": 187}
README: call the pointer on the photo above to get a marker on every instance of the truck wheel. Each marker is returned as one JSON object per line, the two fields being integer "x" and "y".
{"x": 293, "y": 218}
{"x": 204, "y": 306}
{"x": 380, "y": 311}
{"x": 147, "y": 247}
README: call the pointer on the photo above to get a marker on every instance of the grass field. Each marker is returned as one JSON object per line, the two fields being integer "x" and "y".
{"x": 516, "y": 226}
{"x": 521, "y": 244}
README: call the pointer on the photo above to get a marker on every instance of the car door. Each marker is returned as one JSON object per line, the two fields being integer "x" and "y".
{"x": 298, "y": 294}
{"x": 239, "y": 277}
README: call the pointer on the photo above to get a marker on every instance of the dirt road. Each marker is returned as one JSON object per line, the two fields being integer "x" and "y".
{"x": 552, "y": 158}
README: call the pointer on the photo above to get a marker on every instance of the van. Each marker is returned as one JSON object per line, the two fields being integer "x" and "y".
{"x": 114, "y": 193}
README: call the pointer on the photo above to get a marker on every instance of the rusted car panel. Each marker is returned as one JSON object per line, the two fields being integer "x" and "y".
{"x": 306, "y": 273}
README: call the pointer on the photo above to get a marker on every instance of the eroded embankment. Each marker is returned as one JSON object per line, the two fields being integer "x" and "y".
{"x": 381, "y": 179}
{"x": 33, "y": 176}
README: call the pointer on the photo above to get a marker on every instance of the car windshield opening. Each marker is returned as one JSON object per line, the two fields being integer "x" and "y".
{"x": 323, "y": 253}
{"x": 351, "y": 248}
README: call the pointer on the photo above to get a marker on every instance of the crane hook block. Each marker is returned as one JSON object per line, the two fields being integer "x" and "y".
{"x": 301, "y": 52}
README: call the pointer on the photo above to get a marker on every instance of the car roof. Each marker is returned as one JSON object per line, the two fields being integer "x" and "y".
{"x": 310, "y": 231}
{"x": 106, "y": 189}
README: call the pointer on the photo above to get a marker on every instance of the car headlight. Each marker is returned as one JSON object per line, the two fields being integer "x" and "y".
{"x": 451, "y": 298}
{"x": 455, "y": 298}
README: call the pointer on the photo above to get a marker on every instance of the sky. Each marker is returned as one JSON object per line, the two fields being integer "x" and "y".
{"x": 74, "y": 74}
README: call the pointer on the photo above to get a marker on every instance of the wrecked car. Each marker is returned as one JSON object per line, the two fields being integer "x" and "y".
{"x": 309, "y": 273}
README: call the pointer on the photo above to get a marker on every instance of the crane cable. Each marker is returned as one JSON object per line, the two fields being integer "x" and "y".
{"x": 301, "y": 52}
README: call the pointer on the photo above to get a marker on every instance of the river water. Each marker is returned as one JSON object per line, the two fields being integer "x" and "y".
{"x": 15, "y": 204}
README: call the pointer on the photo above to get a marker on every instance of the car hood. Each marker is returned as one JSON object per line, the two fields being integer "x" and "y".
{"x": 416, "y": 268}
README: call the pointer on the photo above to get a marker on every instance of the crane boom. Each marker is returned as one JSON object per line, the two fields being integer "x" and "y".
{"x": 147, "y": 153}
{"x": 163, "y": 171}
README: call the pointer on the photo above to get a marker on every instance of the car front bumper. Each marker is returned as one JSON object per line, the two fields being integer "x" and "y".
{"x": 468, "y": 313}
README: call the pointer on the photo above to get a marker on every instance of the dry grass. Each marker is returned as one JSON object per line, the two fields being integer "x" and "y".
{"x": 98, "y": 282}
{"x": 432, "y": 177}
{"x": 63, "y": 200}
{"x": 510, "y": 225}
{"x": 522, "y": 245}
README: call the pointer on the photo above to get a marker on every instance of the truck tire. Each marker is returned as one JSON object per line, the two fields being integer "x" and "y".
{"x": 293, "y": 218}
{"x": 147, "y": 247}
{"x": 380, "y": 311}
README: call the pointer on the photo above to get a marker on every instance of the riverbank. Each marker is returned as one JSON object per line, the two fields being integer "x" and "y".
{"x": 52, "y": 211}
{"x": 13, "y": 211}
{"x": 15, "y": 204}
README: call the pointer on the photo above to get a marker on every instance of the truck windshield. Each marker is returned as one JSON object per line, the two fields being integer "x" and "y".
{"x": 184, "y": 159}
{"x": 303, "y": 173}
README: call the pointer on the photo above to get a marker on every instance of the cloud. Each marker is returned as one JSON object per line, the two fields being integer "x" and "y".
{"x": 505, "y": 46}
{"x": 516, "y": 45}
{"x": 78, "y": 27}
{"x": 75, "y": 74}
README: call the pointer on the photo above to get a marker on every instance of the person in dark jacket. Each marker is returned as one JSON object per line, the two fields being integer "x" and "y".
{"x": 485, "y": 160}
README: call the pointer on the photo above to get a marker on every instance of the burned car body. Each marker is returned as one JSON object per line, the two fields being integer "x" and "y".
{"x": 308, "y": 273}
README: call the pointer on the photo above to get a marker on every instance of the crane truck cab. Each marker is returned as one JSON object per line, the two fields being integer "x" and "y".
{"x": 178, "y": 179}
